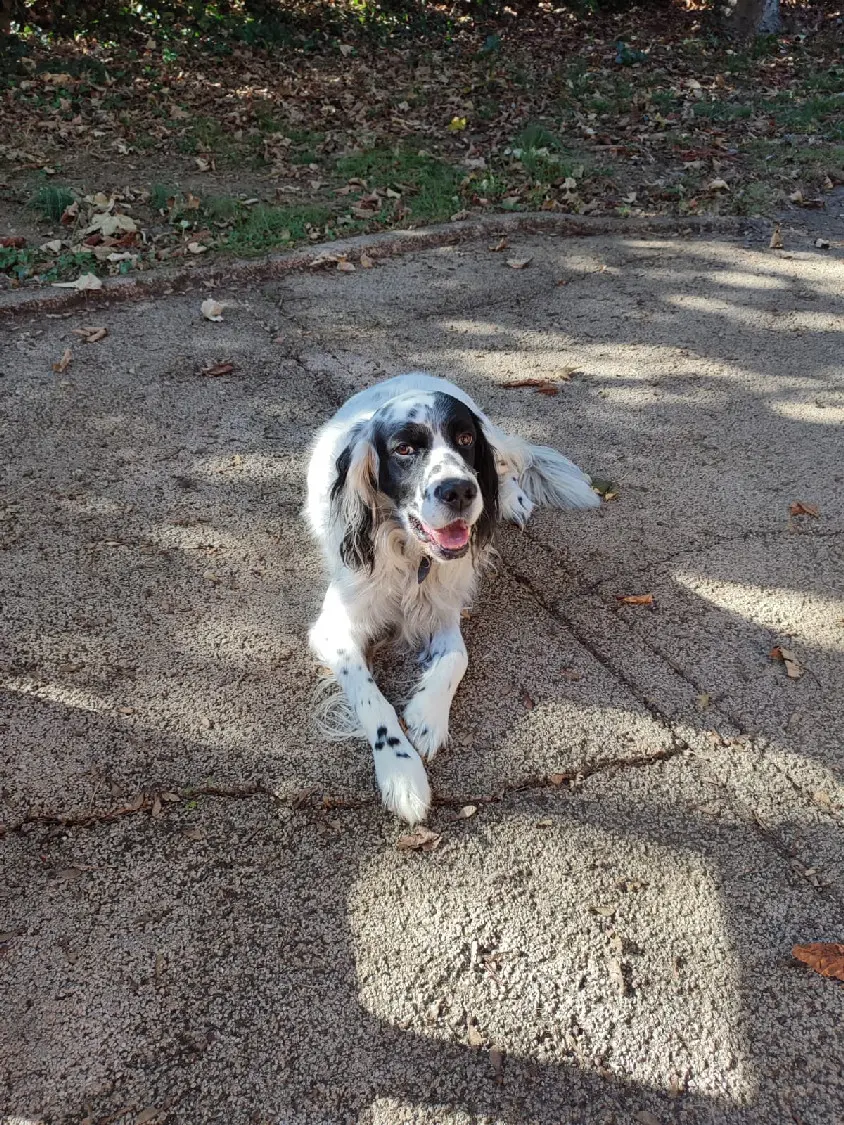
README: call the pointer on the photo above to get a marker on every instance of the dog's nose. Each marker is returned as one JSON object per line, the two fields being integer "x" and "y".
{"x": 458, "y": 493}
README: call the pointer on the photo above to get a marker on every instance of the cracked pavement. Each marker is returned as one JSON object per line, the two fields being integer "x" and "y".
{"x": 204, "y": 914}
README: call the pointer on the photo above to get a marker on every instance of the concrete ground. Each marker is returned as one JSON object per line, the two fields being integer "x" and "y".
{"x": 205, "y": 917}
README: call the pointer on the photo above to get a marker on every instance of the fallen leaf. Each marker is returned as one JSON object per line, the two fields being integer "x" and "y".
{"x": 635, "y": 599}
{"x": 824, "y": 957}
{"x": 776, "y": 239}
{"x": 557, "y": 778}
{"x": 108, "y": 225}
{"x": 518, "y": 263}
{"x": 196, "y": 834}
{"x": 91, "y": 334}
{"x": 346, "y": 266}
{"x": 542, "y": 386}
{"x": 799, "y": 508}
{"x": 616, "y": 974}
{"x": 211, "y": 309}
{"x": 473, "y": 1036}
{"x": 53, "y": 246}
{"x": 703, "y": 701}
{"x": 502, "y": 244}
{"x": 457, "y": 124}
{"x": 607, "y": 489}
{"x": 719, "y": 185}
{"x": 421, "y": 839}
{"x": 466, "y": 812}
{"x": 13, "y": 242}
{"x": 217, "y": 369}
{"x": 822, "y": 799}
{"x": 196, "y": 248}
{"x": 61, "y": 365}
{"x": 366, "y": 263}
{"x": 793, "y": 668}
{"x": 202, "y": 164}
{"x": 85, "y": 281}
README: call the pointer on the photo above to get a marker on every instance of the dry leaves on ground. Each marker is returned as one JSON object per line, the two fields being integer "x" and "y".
{"x": 61, "y": 365}
{"x": 799, "y": 508}
{"x": 502, "y": 244}
{"x": 421, "y": 839}
{"x": 635, "y": 599}
{"x": 518, "y": 263}
{"x": 91, "y": 334}
{"x": 824, "y": 957}
{"x": 793, "y": 667}
{"x": 211, "y": 309}
{"x": 218, "y": 369}
{"x": 85, "y": 281}
{"x": 542, "y": 386}
{"x": 776, "y": 239}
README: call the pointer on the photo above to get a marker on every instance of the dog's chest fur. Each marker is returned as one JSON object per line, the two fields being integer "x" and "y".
{"x": 392, "y": 597}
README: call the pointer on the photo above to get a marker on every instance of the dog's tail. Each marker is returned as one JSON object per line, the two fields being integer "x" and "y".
{"x": 545, "y": 475}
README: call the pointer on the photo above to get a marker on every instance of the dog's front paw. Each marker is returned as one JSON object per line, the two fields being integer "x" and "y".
{"x": 401, "y": 776}
{"x": 427, "y": 723}
{"x": 514, "y": 503}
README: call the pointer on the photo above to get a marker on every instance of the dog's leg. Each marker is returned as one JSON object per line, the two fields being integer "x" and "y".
{"x": 398, "y": 768}
{"x": 427, "y": 713}
{"x": 513, "y": 502}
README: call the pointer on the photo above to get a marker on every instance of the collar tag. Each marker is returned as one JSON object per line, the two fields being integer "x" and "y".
{"x": 424, "y": 570}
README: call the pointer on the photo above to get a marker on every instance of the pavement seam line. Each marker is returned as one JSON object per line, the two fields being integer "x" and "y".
{"x": 563, "y": 782}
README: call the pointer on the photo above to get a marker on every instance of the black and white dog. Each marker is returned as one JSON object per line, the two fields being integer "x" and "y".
{"x": 405, "y": 486}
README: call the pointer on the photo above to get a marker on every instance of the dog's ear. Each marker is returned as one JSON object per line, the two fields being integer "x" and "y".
{"x": 354, "y": 499}
{"x": 486, "y": 471}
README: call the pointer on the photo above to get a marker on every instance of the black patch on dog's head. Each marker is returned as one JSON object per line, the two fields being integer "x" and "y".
{"x": 400, "y": 478}
{"x": 453, "y": 418}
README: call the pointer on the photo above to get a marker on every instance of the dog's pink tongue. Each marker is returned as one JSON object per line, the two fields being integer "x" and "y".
{"x": 453, "y": 537}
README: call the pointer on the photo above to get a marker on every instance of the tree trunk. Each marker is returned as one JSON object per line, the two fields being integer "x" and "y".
{"x": 746, "y": 18}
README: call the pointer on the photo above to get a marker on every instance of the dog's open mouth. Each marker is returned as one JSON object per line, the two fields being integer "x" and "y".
{"x": 451, "y": 541}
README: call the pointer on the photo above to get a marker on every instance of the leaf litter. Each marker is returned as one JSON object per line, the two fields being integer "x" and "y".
{"x": 421, "y": 839}
{"x": 823, "y": 957}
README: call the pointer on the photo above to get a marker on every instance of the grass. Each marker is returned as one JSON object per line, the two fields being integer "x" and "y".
{"x": 263, "y": 228}
{"x": 21, "y": 264}
{"x": 51, "y": 201}
{"x": 429, "y": 186}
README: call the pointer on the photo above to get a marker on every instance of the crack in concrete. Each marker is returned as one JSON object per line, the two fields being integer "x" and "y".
{"x": 314, "y": 799}
{"x": 746, "y": 812}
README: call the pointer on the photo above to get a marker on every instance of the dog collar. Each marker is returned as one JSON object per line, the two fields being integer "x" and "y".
{"x": 424, "y": 570}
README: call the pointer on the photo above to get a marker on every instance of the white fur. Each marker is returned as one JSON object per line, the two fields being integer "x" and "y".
{"x": 362, "y": 605}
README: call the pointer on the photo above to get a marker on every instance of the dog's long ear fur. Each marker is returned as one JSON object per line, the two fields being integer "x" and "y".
{"x": 354, "y": 499}
{"x": 487, "y": 474}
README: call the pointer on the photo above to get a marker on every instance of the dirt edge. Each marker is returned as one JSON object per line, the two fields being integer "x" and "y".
{"x": 384, "y": 244}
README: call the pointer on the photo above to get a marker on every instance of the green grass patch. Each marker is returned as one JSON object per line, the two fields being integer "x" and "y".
{"x": 263, "y": 228}
{"x": 51, "y": 200}
{"x": 25, "y": 263}
{"x": 429, "y": 186}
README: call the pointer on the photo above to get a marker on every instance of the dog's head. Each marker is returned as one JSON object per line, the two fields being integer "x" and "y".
{"x": 425, "y": 461}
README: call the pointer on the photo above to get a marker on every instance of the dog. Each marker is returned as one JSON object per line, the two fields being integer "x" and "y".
{"x": 406, "y": 484}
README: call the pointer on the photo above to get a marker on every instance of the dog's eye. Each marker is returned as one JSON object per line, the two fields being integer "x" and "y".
{"x": 465, "y": 440}
{"x": 404, "y": 450}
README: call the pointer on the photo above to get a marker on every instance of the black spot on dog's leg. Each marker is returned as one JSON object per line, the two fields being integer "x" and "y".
{"x": 379, "y": 745}
{"x": 402, "y": 754}
{"x": 381, "y": 732}
{"x": 394, "y": 741}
